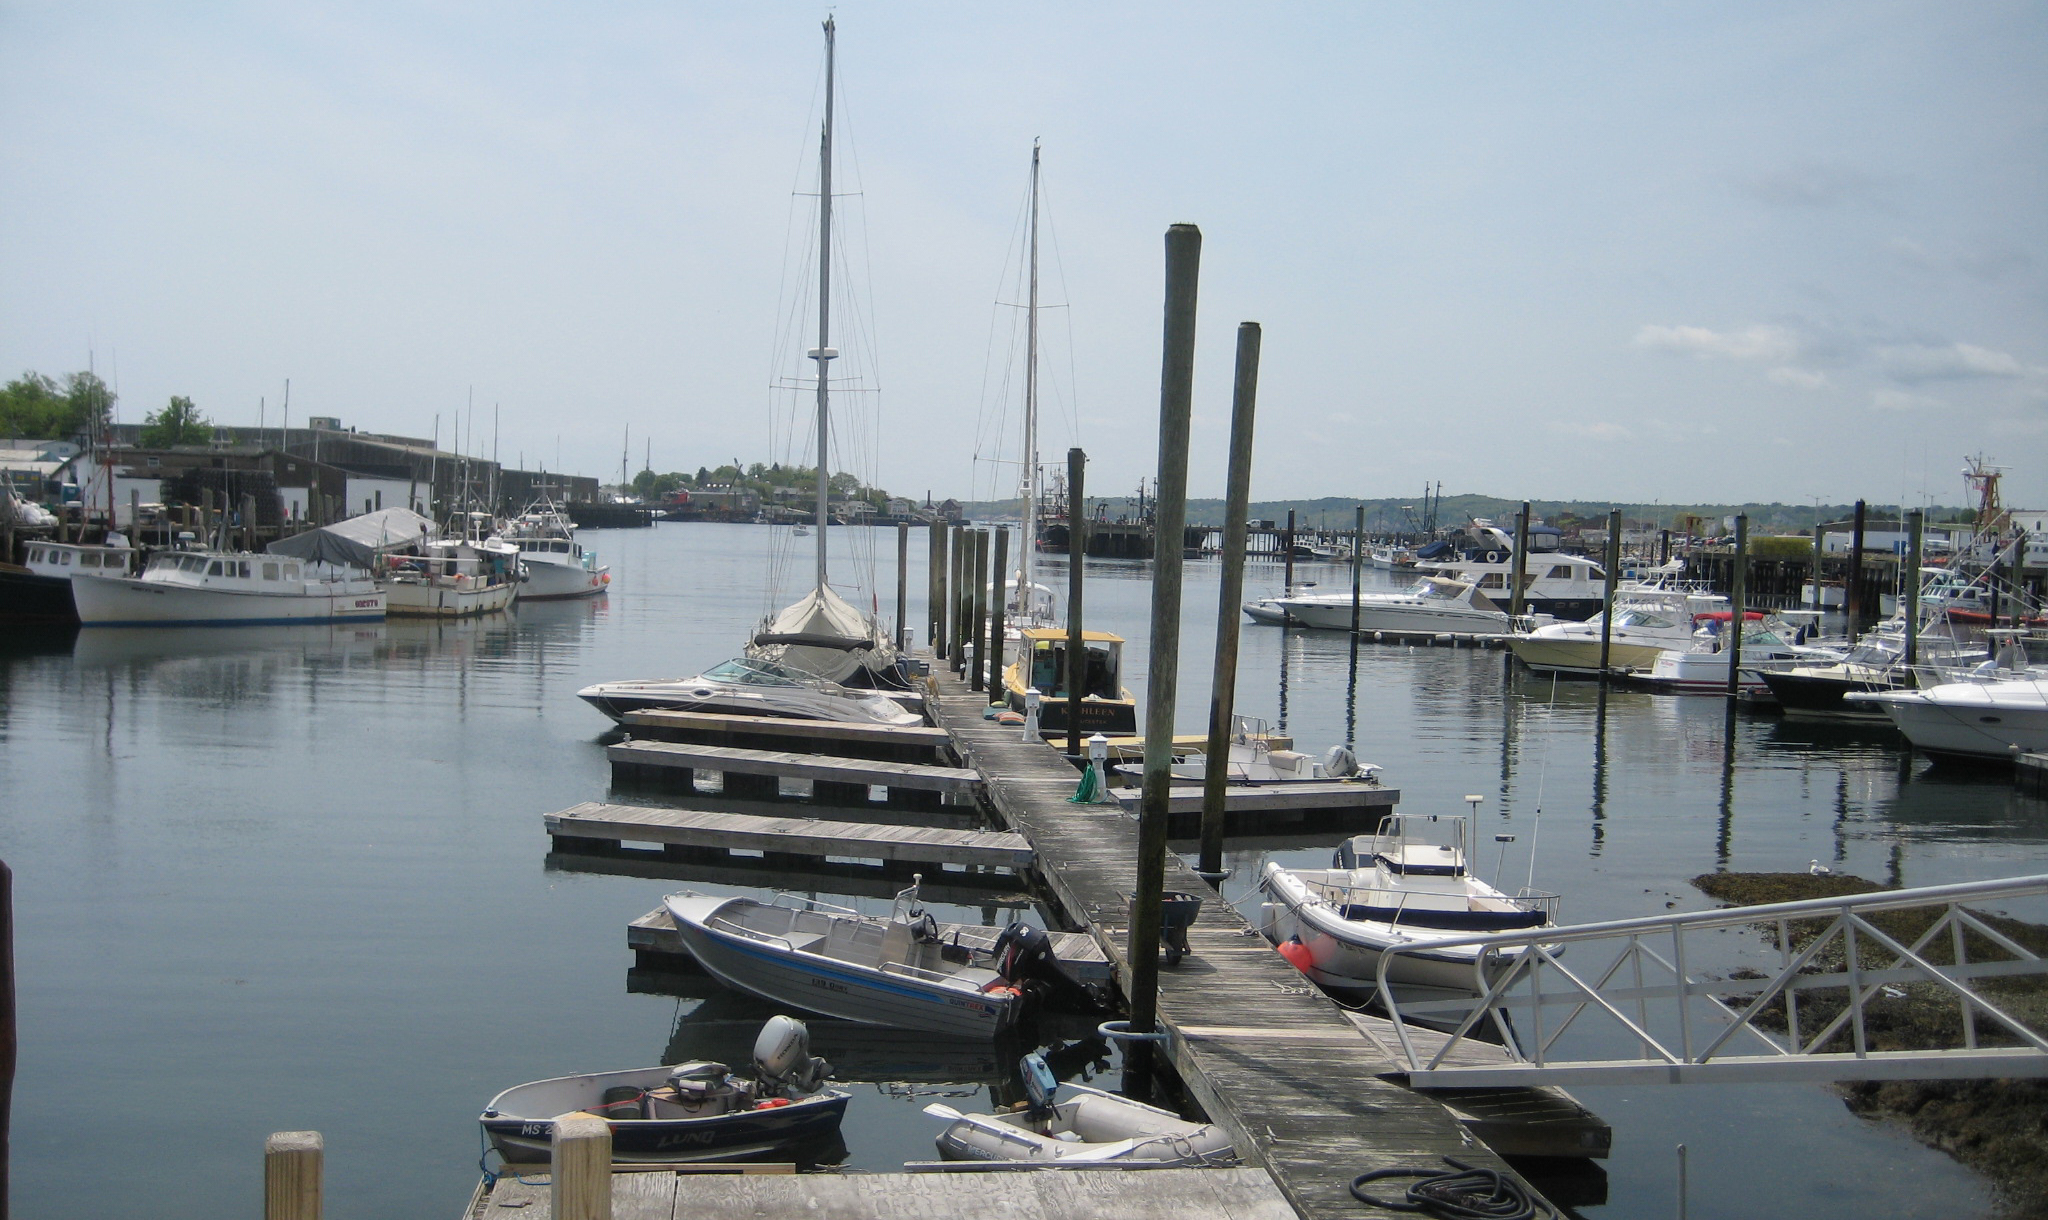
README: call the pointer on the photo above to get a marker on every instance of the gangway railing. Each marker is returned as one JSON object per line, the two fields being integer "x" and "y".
{"x": 1845, "y": 964}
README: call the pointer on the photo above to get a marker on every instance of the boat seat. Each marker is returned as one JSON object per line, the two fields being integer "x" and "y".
{"x": 811, "y": 942}
{"x": 895, "y": 945}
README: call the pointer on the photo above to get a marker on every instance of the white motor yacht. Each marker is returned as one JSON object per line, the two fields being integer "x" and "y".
{"x": 1768, "y": 642}
{"x": 748, "y": 687}
{"x": 1992, "y": 722}
{"x": 1647, "y": 623}
{"x": 1433, "y": 605}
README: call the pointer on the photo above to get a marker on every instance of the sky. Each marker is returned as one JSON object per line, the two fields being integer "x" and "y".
{"x": 1722, "y": 253}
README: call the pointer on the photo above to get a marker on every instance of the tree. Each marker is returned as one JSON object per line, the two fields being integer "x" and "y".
{"x": 179, "y": 423}
{"x": 88, "y": 402}
{"x": 39, "y": 407}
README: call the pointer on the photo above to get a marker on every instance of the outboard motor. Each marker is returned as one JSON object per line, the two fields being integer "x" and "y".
{"x": 1040, "y": 1085}
{"x": 707, "y": 1088}
{"x": 782, "y": 1055}
{"x": 1340, "y": 763}
{"x": 1023, "y": 955}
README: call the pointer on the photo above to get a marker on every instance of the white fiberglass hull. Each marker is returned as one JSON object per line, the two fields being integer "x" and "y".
{"x": 128, "y": 602}
{"x": 1094, "y": 1128}
{"x": 1991, "y": 721}
{"x": 1345, "y": 954}
{"x": 1379, "y": 614}
{"x": 1579, "y": 654}
{"x": 558, "y": 581}
{"x": 618, "y": 699}
{"x": 443, "y": 599}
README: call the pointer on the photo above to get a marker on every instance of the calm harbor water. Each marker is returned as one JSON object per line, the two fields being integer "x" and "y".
{"x": 286, "y": 878}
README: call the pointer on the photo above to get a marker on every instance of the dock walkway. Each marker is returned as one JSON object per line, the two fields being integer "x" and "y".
{"x": 1269, "y": 1058}
{"x": 592, "y": 825}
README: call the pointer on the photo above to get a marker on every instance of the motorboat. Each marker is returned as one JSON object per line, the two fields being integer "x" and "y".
{"x": 1089, "y": 1126}
{"x": 744, "y": 686}
{"x": 1768, "y": 642}
{"x": 557, "y": 566}
{"x": 1647, "y": 623}
{"x": 900, "y": 970}
{"x": 700, "y": 1111}
{"x": 37, "y": 591}
{"x": 1254, "y": 758}
{"x": 452, "y": 578}
{"x": 1432, "y": 605}
{"x": 1400, "y": 887}
{"x": 1877, "y": 663}
{"x": 1388, "y": 556}
{"x": 207, "y": 588}
{"x": 1041, "y": 665}
{"x": 1981, "y": 721}
{"x": 1555, "y": 583}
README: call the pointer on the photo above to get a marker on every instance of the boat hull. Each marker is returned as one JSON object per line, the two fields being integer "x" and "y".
{"x": 1820, "y": 695}
{"x": 128, "y": 602}
{"x": 724, "y": 1137}
{"x": 1576, "y": 655}
{"x": 1410, "y": 619}
{"x": 1969, "y": 723}
{"x": 546, "y": 582}
{"x": 439, "y": 599}
{"x": 29, "y": 599}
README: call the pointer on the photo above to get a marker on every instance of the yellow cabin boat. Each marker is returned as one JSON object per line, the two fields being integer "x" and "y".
{"x": 1106, "y": 707}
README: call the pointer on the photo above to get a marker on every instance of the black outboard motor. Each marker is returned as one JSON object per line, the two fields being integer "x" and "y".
{"x": 1023, "y": 955}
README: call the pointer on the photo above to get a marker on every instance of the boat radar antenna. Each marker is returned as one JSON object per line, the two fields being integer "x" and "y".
{"x": 1983, "y": 480}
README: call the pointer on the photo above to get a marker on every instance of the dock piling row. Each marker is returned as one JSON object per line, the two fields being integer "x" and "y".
{"x": 1229, "y": 615}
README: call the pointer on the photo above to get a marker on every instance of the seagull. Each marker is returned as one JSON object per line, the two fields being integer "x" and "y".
{"x": 1818, "y": 869}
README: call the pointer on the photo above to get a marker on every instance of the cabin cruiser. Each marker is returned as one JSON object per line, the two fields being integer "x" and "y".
{"x": 1769, "y": 642}
{"x": 1876, "y": 663}
{"x": 1647, "y": 623}
{"x": 699, "y": 1111}
{"x": 557, "y": 566}
{"x": 1483, "y": 555}
{"x": 1983, "y": 721}
{"x": 1432, "y": 605}
{"x": 207, "y": 588}
{"x": 1402, "y": 886}
{"x": 1041, "y": 665}
{"x": 37, "y": 592}
{"x": 744, "y": 686}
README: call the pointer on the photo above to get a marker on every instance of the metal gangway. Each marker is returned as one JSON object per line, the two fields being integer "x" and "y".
{"x": 1678, "y": 999}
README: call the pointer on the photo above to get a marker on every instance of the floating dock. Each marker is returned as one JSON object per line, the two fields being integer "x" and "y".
{"x": 759, "y": 773}
{"x": 1304, "y": 805}
{"x": 592, "y": 828}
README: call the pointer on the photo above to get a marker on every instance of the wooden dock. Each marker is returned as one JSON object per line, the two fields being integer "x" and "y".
{"x": 2030, "y": 773}
{"x": 1333, "y": 805}
{"x": 1277, "y": 1064}
{"x": 596, "y": 828}
{"x": 759, "y": 773}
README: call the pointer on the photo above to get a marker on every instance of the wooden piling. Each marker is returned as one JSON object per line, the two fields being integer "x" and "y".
{"x": 935, "y": 587}
{"x": 1229, "y": 608}
{"x": 1916, "y": 528}
{"x": 1176, "y": 398}
{"x": 1738, "y": 604}
{"x": 9, "y": 1040}
{"x": 1287, "y": 558}
{"x": 1613, "y": 572}
{"x": 997, "y": 692}
{"x": 1516, "y": 600}
{"x": 1357, "y": 574}
{"x": 582, "y": 1169}
{"x": 978, "y": 613}
{"x": 1819, "y": 541}
{"x": 904, "y": 635}
{"x": 1852, "y": 597}
{"x": 1077, "y": 551}
{"x": 956, "y": 611}
{"x": 291, "y": 1175}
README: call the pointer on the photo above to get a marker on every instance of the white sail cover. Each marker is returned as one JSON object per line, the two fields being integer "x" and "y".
{"x": 824, "y": 634}
{"x": 358, "y": 541}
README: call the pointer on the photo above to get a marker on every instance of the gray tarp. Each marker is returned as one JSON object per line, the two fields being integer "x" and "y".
{"x": 359, "y": 540}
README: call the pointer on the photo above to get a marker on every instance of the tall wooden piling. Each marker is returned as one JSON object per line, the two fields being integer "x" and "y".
{"x": 1287, "y": 558}
{"x": 291, "y": 1175}
{"x": 9, "y": 1040}
{"x": 1357, "y": 573}
{"x": 935, "y": 586}
{"x": 903, "y": 632}
{"x": 1519, "y": 577}
{"x": 962, "y": 597}
{"x": 1229, "y": 606}
{"x": 1162, "y": 686}
{"x": 978, "y": 613}
{"x": 582, "y": 1169}
{"x": 1613, "y": 574}
{"x": 997, "y": 598}
{"x": 1738, "y": 604}
{"x": 1077, "y": 552}
{"x": 1916, "y": 528}
{"x": 1852, "y": 597}
{"x": 1819, "y": 542}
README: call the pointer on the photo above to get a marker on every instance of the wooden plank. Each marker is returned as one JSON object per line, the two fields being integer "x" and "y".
{"x": 1046, "y": 1194}
{"x": 731, "y": 760}
{"x": 789, "y": 836}
{"x": 986, "y": 887}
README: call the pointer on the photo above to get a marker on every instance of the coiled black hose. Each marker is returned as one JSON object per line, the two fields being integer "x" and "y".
{"x": 1467, "y": 1193}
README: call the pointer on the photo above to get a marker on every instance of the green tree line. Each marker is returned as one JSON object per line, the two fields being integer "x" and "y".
{"x": 38, "y": 407}
{"x": 759, "y": 478}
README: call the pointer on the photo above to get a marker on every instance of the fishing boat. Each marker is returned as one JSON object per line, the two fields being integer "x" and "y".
{"x": 37, "y": 591}
{"x": 1648, "y": 622}
{"x": 831, "y": 960}
{"x": 1769, "y": 642}
{"x": 1041, "y": 665}
{"x": 557, "y": 567}
{"x": 699, "y": 1111}
{"x": 821, "y": 632}
{"x": 1973, "y": 722}
{"x": 747, "y": 687}
{"x": 207, "y": 588}
{"x": 1432, "y": 605}
{"x": 452, "y": 578}
{"x": 1401, "y": 887}
{"x": 1088, "y": 1127}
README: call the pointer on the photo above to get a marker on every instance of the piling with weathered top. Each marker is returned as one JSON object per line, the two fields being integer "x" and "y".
{"x": 1613, "y": 567}
{"x": 1077, "y": 551}
{"x": 978, "y": 612}
{"x": 582, "y": 1169}
{"x": 903, "y": 633}
{"x": 291, "y": 1175}
{"x": 1229, "y": 608}
{"x": 1738, "y": 604}
{"x": 935, "y": 587}
{"x": 1287, "y": 559}
{"x": 1176, "y": 399}
{"x": 1518, "y": 574}
{"x": 9, "y": 1039}
{"x": 997, "y": 694}
{"x": 1916, "y": 528}
{"x": 1852, "y": 597}
{"x": 1357, "y": 573}
{"x": 962, "y": 598}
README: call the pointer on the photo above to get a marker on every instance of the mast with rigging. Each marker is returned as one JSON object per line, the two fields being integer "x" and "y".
{"x": 823, "y": 353}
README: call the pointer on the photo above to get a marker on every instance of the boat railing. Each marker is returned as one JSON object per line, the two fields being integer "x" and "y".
{"x": 741, "y": 929}
{"x": 808, "y": 903}
{"x": 1538, "y": 900}
{"x": 920, "y": 972}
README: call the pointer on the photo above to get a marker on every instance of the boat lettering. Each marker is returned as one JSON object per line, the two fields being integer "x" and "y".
{"x": 366, "y": 603}
{"x": 533, "y": 1129}
{"x": 685, "y": 1137}
{"x": 829, "y": 985}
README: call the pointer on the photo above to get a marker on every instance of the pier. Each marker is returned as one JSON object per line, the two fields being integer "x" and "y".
{"x": 592, "y": 828}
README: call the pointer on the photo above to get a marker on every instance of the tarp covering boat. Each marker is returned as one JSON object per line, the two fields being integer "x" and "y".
{"x": 824, "y": 634}
{"x": 358, "y": 541}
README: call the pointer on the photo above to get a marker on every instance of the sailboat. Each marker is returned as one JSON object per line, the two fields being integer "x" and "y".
{"x": 822, "y": 633}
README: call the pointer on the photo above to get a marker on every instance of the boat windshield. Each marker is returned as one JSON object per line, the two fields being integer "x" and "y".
{"x": 1635, "y": 616}
{"x": 753, "y": 673}
{"x": 1431, "y": 588}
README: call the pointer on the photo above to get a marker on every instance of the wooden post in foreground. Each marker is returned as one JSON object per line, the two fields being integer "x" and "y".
{"x": 1077, "y": 554}
{"x": 935, "y": 586}
{"x": 582, "y": 1168}
{"x": 1607, "y": 590}
{"x": 997, "y": 693}
{"x": 291, "y": 1175}
{"x": 1229, "y": 605}
{"x": 8, "y": 1037}
{"x": 1519, "y": 573}
{"x": 1162, "y": 674}
{"x": 977, "y": 618}
{"x": 1738, "y": 605}
{"x": 904, "y": 635}
{"x": 1916, "y": 528}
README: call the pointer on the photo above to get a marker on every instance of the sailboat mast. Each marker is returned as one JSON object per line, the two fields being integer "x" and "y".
{"x": 823, "y": 353}
{"x": 1029, "y": 541}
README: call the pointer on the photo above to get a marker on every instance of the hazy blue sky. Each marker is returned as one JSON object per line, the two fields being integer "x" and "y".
{"x": 1706, "y": 252}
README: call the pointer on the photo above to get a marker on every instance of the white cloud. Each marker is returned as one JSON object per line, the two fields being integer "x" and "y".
{"x": 1913, "y": 363}
{"x": 1770, "y": 344}
{"x": 1799, "y": 379}
{"x": 1900, "y": 400}
{"x": 1597, "y": 430}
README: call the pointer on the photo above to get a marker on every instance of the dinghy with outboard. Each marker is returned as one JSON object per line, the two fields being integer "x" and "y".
{"x": 681, "y": 1112}
{"x": 1089, "y": 1127}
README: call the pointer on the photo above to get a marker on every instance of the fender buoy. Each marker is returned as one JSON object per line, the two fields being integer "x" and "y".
{"x": 1296, "y": 953}
{"x": 605, "y": 579}
{"x": 999, "y": 987}
{"x": 1495, "y": 556}
{"x": 773, "y": 1103}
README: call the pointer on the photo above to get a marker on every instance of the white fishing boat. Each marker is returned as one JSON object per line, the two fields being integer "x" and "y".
{"x": 1432, "y": 605}
{"x": 1981, "y": 722}
{"x": 557, "y": 567}
{"x": 747, "y": 687}
{"x": 895, "y": 971}
{"x": 1647, "y": 623}
{"x": 822, "y": 633}
{"x": 206, "y": 588}
{"x": 1769, "y": 642}
{"x": 37, "y": 592}
{"x": 452, "y": 578}
{"x": 1088, "y": 1126}
{"x": 681, "y": 1112}
{"x": 1402, "y": 887}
